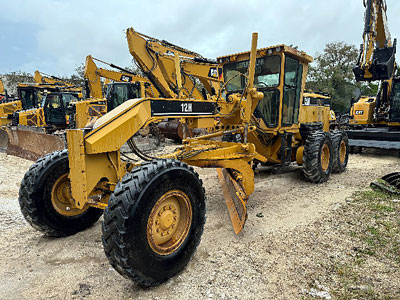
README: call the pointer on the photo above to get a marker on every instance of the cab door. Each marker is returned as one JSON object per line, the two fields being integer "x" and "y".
{"x": 291, "y": 91}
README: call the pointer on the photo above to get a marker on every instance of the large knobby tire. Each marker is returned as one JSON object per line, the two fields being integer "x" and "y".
{"x": 45, "y": 198}
{"x": 340, "y": 143}
{"x": 307, "y": 128}
{"x": 318, "y": 157}
{"x": 154, "y": 221}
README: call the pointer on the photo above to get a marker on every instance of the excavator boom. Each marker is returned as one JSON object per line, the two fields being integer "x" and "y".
{"x": 377, "y": 53}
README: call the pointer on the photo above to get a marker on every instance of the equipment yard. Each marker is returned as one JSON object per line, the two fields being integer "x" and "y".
{"x": 294, "y": 244}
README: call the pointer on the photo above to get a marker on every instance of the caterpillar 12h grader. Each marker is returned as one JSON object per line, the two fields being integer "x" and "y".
{"x": 154, "y": 211}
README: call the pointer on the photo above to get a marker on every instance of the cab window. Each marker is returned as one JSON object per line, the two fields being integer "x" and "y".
{"x": 53, "y": 102}
{"x": 67, "y": 98}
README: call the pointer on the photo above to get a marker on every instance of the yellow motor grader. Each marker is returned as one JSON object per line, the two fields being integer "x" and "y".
{"x": 154, "y": 211}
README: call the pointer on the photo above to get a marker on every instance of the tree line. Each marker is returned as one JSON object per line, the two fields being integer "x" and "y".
{"x": 332, "y": 73}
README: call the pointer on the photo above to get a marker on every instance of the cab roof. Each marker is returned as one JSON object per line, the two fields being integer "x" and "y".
{"x": 301, "y": 55}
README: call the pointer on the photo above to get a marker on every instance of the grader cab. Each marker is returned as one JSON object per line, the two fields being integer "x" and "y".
{"x": 155, "y": 209}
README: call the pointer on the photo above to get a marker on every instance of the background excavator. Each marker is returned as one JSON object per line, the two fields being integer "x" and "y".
{"x": 375, "y": 121}
{"x": 42, "y": 78}
{"x": 118, "y": 86}
{"x": 158, "y": 60}
{"x": 251, "y": 112}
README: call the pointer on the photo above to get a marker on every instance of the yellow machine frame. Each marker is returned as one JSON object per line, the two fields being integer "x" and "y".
{"x": 95, "y": 158}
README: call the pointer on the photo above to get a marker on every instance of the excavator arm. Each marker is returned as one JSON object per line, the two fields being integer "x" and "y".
{"x": 377, "y": 53}
{"x": 173, "y": 69}
{"x": 49, "y": 79}
{"x": 93, "y": 75}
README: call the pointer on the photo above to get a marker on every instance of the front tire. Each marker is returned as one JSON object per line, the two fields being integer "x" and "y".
{"x": 154, "y": 221}
{"x": 46, "y": 202}
{"x": 317, "y": 157}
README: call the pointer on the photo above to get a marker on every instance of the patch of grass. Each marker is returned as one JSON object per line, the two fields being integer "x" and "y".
{"x": 373, "y": 226}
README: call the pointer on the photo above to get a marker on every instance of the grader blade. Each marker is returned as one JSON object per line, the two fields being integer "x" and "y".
{"x": 235, "y": 199}
{"x": 29, "y": 144}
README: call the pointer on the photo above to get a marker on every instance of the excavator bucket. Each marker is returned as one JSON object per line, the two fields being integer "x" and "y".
{"x": 235, "y": 198}
{"x": 28, "y": 143}
{"x": 383, "y": 64}
{"x": 390, "y": 184}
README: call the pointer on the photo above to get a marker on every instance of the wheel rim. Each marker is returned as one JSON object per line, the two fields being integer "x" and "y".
{"x": 61, "y": 198}
{"x": 325, "y": 156}
{"x": 342, "y": 151}
{"x": 169, "y": 222}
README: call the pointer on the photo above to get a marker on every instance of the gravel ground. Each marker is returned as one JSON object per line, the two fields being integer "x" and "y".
{"x": 272, "y": 258}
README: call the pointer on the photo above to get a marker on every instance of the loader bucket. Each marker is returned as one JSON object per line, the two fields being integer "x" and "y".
{"x": 29, "y": 143}
{"x": 235, "y": 199}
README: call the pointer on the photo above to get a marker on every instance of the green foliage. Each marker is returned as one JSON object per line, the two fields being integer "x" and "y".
{"x": 332, "y": 73}
{"x": 11, "y": 80}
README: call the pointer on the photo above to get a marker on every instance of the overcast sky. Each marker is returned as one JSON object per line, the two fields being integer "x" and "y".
{"x": 55, "y": 36}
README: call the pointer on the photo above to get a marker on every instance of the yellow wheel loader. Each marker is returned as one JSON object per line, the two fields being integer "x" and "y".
{"x": 154, "y": 210}
{"x": 27, "y": 110}
{"x": 52, "y": 105}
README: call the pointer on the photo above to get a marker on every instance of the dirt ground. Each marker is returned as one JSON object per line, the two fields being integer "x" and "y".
{"x": 270, "y": 259}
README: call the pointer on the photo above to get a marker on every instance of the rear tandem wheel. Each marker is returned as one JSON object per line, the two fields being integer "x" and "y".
{"x": 318, "y": 157}
{"x": 154, "y": 221}
{"x": 340, "y": 143}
